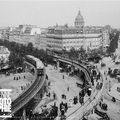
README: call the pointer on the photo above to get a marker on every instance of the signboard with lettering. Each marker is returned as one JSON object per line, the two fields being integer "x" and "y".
{"x": 5, "y": 103}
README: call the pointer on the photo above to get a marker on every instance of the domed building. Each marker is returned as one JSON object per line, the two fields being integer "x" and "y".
{"x": 79, "y": 20}
{"x": 66, "y": 37}
{"x": 77, "y": 36}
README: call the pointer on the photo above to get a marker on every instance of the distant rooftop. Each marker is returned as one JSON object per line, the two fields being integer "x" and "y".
{"x": 74, "y": 30}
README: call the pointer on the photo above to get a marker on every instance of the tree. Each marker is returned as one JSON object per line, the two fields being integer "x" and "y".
{"x": 73, "y": 53}
{"x": 30, "y": 48}
{"x": 64, "y": 50}
{"x": 82, "y": 53}
{"x": 2, "y": 59}
{"x": 18, "y": 51}
{"x": 114, "y": 36}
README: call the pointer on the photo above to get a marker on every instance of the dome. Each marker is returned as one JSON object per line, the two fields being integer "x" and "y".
{"x": 79, "y": 16}
{"x": 79, "y": 21}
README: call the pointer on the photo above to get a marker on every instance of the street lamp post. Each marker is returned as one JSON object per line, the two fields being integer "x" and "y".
{"x": 109, "y": 85}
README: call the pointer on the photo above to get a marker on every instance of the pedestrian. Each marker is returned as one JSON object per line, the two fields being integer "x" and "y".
{"x": 54, "y": 104}
{"x": 113, "y": 99}
{"x": 63, "y": 110}
{"x": 99, "y": 75}
{"x": 65, "y": 97}
{"x": 49, "y": 83}
{"x": 74, "y": 100}
{"x": 63, "y": 76}
{"x": 54, "y": 96}
{"x": 55, "y": 110}
{"x": 92, "y": 81}
{"x": 89, "y": 92}
{"x": 41, "y": 95}
{"x": 46, "y": 77}
{"x": 67, "y": 88}
{"x": 49, "y": 94}
{"x": 79, "y": 94}
{"x": 66, "y": 107}
{"x": 104, "y": 72}
{"x": 24, "y": 76}
{"x": 81, "y": 100}
{"x": 61, "y": 105}
{"x": 14, "y": 78}
{"x": 83, "y": 93}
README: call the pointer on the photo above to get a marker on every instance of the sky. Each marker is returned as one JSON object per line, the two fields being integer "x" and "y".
{"x": 44, "y": 13}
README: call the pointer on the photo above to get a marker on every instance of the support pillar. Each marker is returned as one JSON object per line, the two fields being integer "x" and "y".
{"x": 58, "y": 65}
{"x": 24, "y": 114}
{"x": 72, "y": 68}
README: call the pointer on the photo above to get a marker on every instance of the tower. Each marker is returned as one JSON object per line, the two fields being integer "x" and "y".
{"x": 79, "y": 21}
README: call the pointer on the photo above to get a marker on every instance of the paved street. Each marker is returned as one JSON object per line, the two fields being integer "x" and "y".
{"x": 14, "y": 82}
{"x": 59, "y": 86}
{"x": 113, "y": 108}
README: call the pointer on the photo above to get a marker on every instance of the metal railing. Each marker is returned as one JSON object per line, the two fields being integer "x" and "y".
{"x": 25, "y": 97}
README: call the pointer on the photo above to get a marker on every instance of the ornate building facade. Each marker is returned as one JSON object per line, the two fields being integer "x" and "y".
{"x": 63, "y": 37}
{"x": 77, "y": 36}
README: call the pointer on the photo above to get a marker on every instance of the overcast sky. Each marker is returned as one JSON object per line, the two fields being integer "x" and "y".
{"x": 49, "y": 12}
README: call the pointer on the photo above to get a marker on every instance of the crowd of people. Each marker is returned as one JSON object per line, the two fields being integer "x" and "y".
{"x": 18, "y": 77}
{"x": 63, "y": 106}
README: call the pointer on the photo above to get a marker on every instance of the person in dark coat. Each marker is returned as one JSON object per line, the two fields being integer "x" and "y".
{"x": 113, "y": 99}
{"x": 66, "y": 107}
{"x": 63, "y": 77}
{"x": 80, "y": 100}
{"x": 74, "y": 101}
{"x": 89, "y": 91}
{"x": 65, "y": 97}
{"x": 63, "y": 110}
{"x": 67, "y": 88}
{"x": 80, "y": 94}
{"x": 49, "y": 94}
{"x": 61, "y": 105}
{"x": 54, "y": 96}
{"x": 46, "y": 77}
